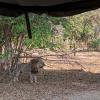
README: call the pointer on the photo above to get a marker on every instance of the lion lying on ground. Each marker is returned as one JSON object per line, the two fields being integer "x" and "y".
{"x": 31, "y": 68}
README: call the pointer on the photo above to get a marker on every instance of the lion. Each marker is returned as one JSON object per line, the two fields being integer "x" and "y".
{"x": 31, "y": 68}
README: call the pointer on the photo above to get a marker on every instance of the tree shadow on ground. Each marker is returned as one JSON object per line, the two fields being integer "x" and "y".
{"x": 71, "y": 75}
{"x": 65, "y": 78}
{"x": 72, "y": 79}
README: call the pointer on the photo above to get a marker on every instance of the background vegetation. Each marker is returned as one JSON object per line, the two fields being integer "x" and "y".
{"x": 79, "y": 32}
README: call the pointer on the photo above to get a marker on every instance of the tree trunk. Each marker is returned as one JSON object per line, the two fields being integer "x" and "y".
{"x": 74, "y": 49}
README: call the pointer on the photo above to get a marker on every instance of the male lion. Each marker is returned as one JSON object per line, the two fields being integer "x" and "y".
{"x": 30, "y": 68}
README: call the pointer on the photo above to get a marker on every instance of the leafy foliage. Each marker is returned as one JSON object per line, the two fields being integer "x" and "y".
{"x": 83, "y": 28}
{"x": 95, "y": 44}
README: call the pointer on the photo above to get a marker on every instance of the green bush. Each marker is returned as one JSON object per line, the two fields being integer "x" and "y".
{"x": 94, "y": 44}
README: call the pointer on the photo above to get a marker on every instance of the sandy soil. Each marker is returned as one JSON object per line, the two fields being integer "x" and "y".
{"x": 77, "y": 78}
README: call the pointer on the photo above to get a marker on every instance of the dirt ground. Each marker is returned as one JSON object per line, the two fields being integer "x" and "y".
{"x": 69, "y": 78}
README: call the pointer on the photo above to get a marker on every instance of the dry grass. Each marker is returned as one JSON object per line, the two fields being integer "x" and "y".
{"x": 57, "y": 80}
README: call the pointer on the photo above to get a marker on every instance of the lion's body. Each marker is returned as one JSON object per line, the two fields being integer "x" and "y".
{"x": 30, "y": 69}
